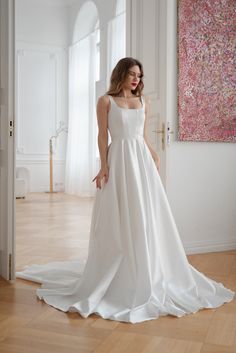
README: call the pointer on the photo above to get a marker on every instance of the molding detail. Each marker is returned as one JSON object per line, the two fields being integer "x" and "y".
{"x": 53, "y": 58}
{"x": 200, "y": 247}
{"x": 21, "y": 162}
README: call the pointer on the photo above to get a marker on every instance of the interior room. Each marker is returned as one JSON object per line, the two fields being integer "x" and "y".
{"x": 59, "y": 62}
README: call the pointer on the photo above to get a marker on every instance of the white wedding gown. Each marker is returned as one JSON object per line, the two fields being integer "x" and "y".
{"x": 136, "y": 268}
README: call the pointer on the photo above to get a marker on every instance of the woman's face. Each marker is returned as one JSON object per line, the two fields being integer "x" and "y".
{"x": 133, "y": 78}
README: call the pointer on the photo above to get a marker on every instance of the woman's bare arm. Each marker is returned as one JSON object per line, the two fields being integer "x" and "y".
{"x": 102, "y": 119}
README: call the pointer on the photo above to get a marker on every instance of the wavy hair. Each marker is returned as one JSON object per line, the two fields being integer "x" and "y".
{"x": 120, "y": 73}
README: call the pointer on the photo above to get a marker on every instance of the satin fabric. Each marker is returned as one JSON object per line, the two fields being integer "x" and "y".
{"x": 136, "y": 269}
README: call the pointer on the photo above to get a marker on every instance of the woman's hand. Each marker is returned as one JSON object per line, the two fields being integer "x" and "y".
{"x": 103, "y": 173}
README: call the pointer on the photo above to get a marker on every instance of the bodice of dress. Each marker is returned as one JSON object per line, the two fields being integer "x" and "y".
{"x": 124, "y": 122}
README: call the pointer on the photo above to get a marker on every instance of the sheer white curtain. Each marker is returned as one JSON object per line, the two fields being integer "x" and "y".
{"x": 81, "y": 145}
{"x": 116, "y": 42}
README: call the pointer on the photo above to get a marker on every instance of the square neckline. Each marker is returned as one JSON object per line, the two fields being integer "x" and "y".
{"x": 127, "y": 108}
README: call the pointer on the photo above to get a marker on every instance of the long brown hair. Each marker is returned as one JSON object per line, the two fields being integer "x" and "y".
{"x": 120, "y": 73}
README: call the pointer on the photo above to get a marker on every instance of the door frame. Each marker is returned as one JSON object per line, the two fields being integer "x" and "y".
{"x": 7, "y": 140}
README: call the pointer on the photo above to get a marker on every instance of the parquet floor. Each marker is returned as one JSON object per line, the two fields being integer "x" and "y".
{"x": 56, "y": 227}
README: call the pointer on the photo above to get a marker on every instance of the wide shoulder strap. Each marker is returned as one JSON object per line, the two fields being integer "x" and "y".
{"x": 143, "y": 100}
{"x": 111, "y": 99}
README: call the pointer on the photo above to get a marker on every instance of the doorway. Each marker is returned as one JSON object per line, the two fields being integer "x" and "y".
{"x": 43, "y": 90}
{"x": 53, "y": 226}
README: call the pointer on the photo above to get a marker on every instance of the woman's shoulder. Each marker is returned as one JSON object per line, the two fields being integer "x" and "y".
{"x": 105, "y": 98}
{"x": 104, "y": 101}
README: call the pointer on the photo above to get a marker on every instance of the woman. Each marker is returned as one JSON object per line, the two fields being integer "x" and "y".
{"x": 136, "y": 268}
{"x": 127, "y": 86}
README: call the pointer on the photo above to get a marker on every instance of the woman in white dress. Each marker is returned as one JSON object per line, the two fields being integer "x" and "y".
{"x": 136, "y": 269}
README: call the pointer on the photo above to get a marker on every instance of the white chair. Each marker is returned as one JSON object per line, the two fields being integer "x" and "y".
{"x": 22, "y": 182}
{"x": 20, "y": 188}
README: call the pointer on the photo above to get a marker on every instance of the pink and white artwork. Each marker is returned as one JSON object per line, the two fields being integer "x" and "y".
{"x": 206, "y": 70}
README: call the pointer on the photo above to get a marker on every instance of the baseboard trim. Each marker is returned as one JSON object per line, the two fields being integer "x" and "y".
{"x": 198, "y": 247}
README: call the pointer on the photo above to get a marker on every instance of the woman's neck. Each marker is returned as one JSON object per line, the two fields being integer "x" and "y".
{"x": 126, "y": 93}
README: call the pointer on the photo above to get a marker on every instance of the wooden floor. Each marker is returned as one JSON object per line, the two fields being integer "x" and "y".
{"x": 56, "y": 227}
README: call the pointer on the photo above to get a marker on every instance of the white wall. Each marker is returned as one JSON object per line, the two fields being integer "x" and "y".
{"x": 42, "y": 22}
{"x": 41, "y": 89}
{"x": 202, "y": 192}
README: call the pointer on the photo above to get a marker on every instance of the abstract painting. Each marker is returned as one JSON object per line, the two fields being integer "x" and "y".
{"x": 206, "y": 43}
